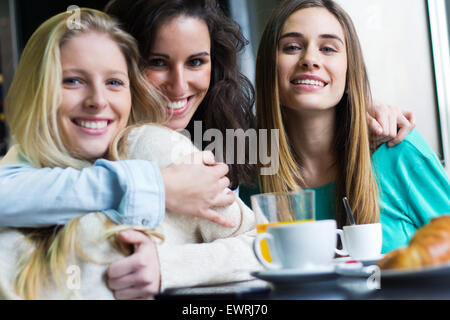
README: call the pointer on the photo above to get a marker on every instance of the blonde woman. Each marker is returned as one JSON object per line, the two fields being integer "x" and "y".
{"x": 312, "y": 85}
{"x": 71, "y": 95}
{"x": 79, "y": 105}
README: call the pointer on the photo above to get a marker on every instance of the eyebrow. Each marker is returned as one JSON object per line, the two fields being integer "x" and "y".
{"x": 84, "y": 72}
{"x": 322, "y": 36}
{"x": 166, "y": 56}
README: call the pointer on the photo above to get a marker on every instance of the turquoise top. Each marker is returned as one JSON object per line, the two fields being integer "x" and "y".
{"x": 413, "y": 187}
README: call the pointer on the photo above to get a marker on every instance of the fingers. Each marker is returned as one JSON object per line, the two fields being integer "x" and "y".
{"x": 131, "y": 263}
{"x": 201, "y": 157}
{"x": 136, "y": 279}
{"x": 220, "y": 170}
{"x": 134, "y": 237}
{"x": 384, "y": 122}
{"x": 395, "y": 124}
{"x": 138, "y": 275}
{"x": 138, "y": 293}
{"x": 208, "y": 158}
{"x": 123, "y": 267}
{"x": 405, "y": 129}
{"x": 374, "y": 126}
{"x": 411, "y": 117}
{"x": 223, "y": 183}
{"x": 392, "y": 133}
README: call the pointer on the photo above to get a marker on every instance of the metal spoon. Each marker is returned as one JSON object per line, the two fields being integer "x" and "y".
{"x": 349, "y": 211}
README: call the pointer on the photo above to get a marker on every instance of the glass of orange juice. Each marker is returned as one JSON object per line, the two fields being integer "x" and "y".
{"x": 282, "y": 208}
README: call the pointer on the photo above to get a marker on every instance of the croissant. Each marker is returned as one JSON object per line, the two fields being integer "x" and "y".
{"x": 430, "y": 246}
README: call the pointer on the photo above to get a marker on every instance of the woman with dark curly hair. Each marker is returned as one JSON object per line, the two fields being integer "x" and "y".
{"x": 190, "y": 52}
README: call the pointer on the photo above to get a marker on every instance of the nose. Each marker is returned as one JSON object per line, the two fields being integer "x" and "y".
{"x": 177, "y": 85}
{"x": 96, "y": 99}
{"x": 309, "y": 59}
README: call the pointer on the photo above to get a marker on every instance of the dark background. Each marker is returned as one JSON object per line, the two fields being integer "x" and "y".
{"x": 31, "y": 13}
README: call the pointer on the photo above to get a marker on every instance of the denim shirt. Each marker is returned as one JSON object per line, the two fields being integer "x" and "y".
{"x": 129, "y": 192}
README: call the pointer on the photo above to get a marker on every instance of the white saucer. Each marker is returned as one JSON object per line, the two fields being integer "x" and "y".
{"x": 365, "y": 262}
{"x": 296, "y": 276}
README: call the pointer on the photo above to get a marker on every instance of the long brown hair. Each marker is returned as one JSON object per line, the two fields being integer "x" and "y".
{"x": 229, "y": 101}
{"x": 356, "y": 179}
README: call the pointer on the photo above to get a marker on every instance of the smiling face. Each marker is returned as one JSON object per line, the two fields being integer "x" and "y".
{"x": 96, "y": 98}
{"x": 312, "y": 60}
{"x": 180, "y": 66}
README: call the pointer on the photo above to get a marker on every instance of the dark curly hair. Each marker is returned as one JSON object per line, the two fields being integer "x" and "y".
{"x": 229, "y": 101}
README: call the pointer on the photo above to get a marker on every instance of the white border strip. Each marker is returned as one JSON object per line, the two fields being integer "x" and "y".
{"x": 441, "y": 54}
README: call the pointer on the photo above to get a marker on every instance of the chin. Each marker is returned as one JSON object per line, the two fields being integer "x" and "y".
{"x": 311, "y": 105}
{"x": 178, "y": 124}
{"x": 93, "y": 153}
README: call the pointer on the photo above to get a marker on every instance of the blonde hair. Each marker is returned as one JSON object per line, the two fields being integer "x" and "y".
{"x": 31, "y": 110}
{"x": 32, "y": 117}
{"x": 356, "y": 179}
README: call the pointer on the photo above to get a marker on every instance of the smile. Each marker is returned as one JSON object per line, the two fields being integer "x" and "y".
{"x": 177, "y": 105}
{"x": 309, "y": 82}
{"x": 93, "y": 125}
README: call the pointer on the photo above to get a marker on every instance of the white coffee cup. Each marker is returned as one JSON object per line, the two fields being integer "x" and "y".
{"x": 302, "y": 245}
{"x": 361, "y": 242}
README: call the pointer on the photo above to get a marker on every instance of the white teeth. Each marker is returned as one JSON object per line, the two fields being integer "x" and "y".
{"x": 93, "y": 124}
{"x": 177, "y": 105}
{"x": 310, "y": 82}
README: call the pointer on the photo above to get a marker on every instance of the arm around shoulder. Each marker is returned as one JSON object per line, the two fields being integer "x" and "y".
{"x": 129, "y": 191}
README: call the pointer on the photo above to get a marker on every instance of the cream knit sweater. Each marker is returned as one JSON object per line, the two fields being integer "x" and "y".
{"x": 195, "y": 251}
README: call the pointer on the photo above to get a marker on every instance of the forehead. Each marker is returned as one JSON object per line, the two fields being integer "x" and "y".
{"x": 182, "y": 31}
{"x": 93, "y": 49}
{"x": 313, "y": 22}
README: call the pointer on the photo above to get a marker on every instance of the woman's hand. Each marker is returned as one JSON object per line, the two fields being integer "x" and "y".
{"x": 196, "y": 185}
{"x": 138, "y": 275}
{"x": 388, "y": 124}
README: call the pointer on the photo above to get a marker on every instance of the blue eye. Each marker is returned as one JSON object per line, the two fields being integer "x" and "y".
{"x": 115, "y": 82}
{"x": 292, "y": 48}
{"x": 71, "y": 81}
{"x": 328, "y": 49}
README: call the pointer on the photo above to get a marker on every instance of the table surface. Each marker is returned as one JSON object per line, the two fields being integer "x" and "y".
{"x": 339, "y": 287}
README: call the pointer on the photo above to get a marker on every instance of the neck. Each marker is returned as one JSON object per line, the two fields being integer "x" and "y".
{"x": 311, "y": 135}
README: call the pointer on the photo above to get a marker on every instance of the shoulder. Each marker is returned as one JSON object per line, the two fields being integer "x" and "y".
{"x": 158, "y": 143}
{"x": 413, "y": 150}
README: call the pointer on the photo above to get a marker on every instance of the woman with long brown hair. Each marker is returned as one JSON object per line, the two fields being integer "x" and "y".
{"x": 312, "y": 85}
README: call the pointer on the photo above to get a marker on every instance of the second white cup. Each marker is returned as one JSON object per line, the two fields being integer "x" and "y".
{"x": 361, "y": 242}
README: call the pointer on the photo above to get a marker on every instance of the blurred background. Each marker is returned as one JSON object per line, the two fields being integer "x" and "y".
{"x": 405, "y": 44}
